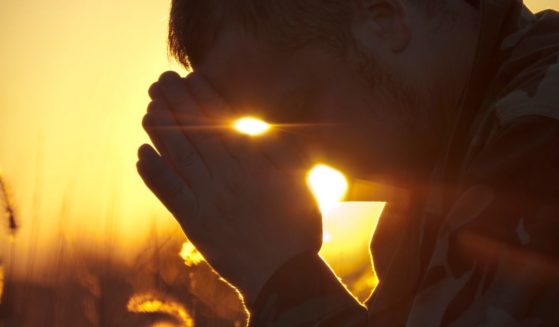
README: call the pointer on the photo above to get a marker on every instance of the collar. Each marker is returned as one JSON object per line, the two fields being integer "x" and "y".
{"x": 498, "y": 19}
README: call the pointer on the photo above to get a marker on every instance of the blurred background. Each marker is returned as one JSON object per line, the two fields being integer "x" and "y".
{"x": 82, "y": 240}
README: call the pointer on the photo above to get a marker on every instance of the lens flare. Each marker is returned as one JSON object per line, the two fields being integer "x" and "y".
{"x": 329, "y": 186}
{"x": 153, "y": 303}
{"x": 251, "y": 126}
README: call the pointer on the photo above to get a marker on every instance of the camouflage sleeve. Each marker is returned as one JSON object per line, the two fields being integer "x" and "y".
{"x": 496, "y": 262}
{"x": 306, "y": 292}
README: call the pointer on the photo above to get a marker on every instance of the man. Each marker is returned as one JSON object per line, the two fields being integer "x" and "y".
{"x": 454, "y": 101}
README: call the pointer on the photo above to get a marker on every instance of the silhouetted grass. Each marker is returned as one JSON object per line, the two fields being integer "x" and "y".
{"x": 8, "y": 207}
{"x": 90, "y": 287}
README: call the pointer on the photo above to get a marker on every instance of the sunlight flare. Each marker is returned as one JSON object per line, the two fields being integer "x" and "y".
{"x": 152, "y": 303}
{"x": 329, "y": 186}
{"x": 251, "y": 126}
{"x": 190, "y": 254}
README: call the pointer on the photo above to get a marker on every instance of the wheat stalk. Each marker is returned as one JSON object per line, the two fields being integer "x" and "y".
{"x": 8, "y": 207}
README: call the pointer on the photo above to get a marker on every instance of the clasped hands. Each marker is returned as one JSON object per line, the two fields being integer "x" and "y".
{"x": 243, "y": 202}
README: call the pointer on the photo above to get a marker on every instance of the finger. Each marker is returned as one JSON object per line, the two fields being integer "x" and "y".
{"x": 203, "y": 132}
{"x": 170, "y": 141}
{"x": 169, "y": 188}
{"x": 173, "y": 89}
{"x": 154, "y": 92}
{"x": 244, "y": 149}
{"x": 207, "y": 97}
{"x": 147, "y": 124}
{"x": 213, "y": 105}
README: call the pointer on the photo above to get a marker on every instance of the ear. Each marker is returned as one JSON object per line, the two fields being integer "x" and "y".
{"x": 382, "y": 20}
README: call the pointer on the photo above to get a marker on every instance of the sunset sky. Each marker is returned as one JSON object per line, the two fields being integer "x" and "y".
{"x": 72, "y": 95}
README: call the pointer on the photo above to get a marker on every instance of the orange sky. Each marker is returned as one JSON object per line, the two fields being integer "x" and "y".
{"x": 72, "y": 94}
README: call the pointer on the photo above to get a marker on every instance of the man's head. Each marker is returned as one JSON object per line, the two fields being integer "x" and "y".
{"x": 372, "y": 82}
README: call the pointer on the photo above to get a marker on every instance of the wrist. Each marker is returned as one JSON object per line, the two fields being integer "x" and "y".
{"x": 255, "y": 279}
{"x": 253, "y": 284}
{"x": 303, "y": 279}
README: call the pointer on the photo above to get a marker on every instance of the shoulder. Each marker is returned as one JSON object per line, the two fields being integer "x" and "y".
{"x": 527, "y": 82}
{"x": 519, "y": 128}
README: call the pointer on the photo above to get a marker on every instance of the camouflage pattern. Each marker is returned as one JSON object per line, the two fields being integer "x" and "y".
{"x": 481, "y": 246}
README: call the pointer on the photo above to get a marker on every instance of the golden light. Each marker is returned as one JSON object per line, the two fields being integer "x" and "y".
{"x": 190, "y": 254}
{"x": 347, "y": 229}
{"x": 328, "y": 185}
{"x": 347, "y": 232}
{"x": 151, "y": 303}
{"x": 251, "y": 126}
{"x": 72, "y": 171}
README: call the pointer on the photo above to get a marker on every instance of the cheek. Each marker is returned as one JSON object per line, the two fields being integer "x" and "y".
{"x": 339, "y": 136}
{"x": 349, "y": 148}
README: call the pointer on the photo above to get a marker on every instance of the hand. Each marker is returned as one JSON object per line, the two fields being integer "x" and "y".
{"x": 243, "y": 202}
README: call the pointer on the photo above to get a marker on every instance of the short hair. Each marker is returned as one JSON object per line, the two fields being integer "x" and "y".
{"x": 288, "y": 24}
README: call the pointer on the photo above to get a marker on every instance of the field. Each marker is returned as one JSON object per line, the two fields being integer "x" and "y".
{"x": 166, "y": 283}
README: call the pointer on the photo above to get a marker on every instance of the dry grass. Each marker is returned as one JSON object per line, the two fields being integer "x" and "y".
{"x": 143, "y": 294}
{"x": 90, "y": 288}
{"x": 168, "y": 284}
{"x": 89, "y": 293}
{"x": 7, "y": 205}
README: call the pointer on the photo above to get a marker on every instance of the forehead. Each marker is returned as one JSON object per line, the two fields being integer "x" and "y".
{"x": 252, "y": 75}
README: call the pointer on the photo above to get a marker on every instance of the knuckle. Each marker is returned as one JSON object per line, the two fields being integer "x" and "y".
{"x": 186, "y": 158}
{"x": 223, "y": 206}
{"x": 233, "y": 184}
{"x": 177, "y": 193}
{"x": 181, "y": 199}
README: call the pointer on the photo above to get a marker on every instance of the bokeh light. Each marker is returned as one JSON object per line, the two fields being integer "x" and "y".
{"x": 190, "y": 254}
{"x": 153, "y": 303}
{"x": 251, "y": 126}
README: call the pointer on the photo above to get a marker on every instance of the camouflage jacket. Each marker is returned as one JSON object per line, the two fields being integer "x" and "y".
{"x": 485, "y": 250}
